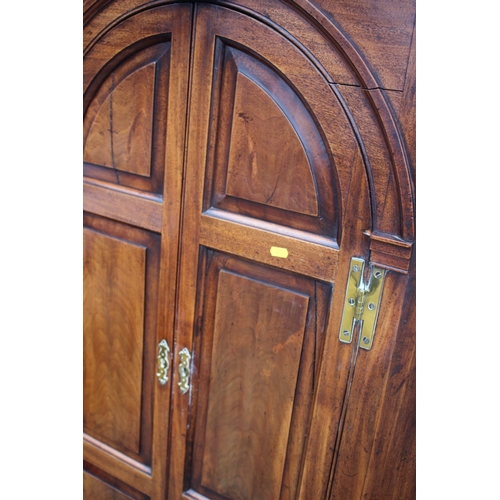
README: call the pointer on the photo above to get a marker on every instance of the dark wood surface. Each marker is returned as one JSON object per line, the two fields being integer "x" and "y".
{"x": 382, "y": 30}
{"x": 98, "y": 490}
{"x": 132, "y": 193}
{"x": 99, "y": 485}
{"x": 121, "y": 267}
{"x": 255, "y": 39}
{"x": 213, "y": 134}
{"x": 253, "y": 370}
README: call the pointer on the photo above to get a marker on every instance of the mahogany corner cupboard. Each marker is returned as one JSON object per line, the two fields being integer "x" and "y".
{"x": 249, "y": 250}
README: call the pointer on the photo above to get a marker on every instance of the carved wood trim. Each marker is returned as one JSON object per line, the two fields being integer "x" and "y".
{"x": 390, "y": 253}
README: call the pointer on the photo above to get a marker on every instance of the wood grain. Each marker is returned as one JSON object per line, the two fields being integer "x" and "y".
{"x": 361, "y": 446}
{"x": 381, "y": 29}
{"x": 120, "y": 303}
{"x": 392, "y": 471}
{"x": 132, "y": 114}
{"x": 278, "y": 153}
{"x": 114, "y": 284}
{"x": 98, "y": 148}
{"x": 119, "y": 466}
{"x": 124, "y": 488}
{"x": 335, "y": 369}
{"x": 94, "y": 489}
{"x": 175, "y": 137}
{"x": 142, "y": 73}
{"x": 407, "y": 114}
{"x": 267, "y": 162}
{"x": 289, "y": 177}
{"x": 125, "y": 111}
{"x": 245, "y": 301}
{"x": 237, "y": 235}
{"x": 121, "y": 135}
{"x": 284, "y": 58}
{"x": 125, "y": 205}
{"x": 316, "y": 32}
{"x": 256, "y": 349}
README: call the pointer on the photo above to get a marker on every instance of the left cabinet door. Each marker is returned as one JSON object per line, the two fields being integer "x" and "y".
{"x": 135, "y": 93}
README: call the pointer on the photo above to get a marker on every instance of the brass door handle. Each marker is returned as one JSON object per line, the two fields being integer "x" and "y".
{"x": 163, "y": 362}
{"x": 184, "y": 370}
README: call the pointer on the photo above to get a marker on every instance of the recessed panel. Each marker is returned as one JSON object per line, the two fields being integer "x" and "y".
{"x": 99, "y": 147}
{"x": 258, "y": 335}
{"x": 121, "y": 265}
{"x": 254, "y": 370}
{"x": 267, "y": 161}
{"x": 270, "y": 158}
{"x": 114, "y": 292}
{"x": 124, "y": 125}
{"x": 121, "y": 135}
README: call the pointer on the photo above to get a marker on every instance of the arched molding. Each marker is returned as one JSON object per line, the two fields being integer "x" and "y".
{"x": 393, "y": 230}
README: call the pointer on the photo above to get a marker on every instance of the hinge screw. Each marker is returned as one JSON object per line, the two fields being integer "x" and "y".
{"x": 371, "y": 306}
{"x": 377, "y": 274}
{"x": 366, "y": 340}
{"x": 346, "y": 332}
{"x": 355, "y": 269}
{"x": 351, "y": 301}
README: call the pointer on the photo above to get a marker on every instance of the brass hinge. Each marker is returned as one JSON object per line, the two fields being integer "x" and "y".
{"x": 362, "y": 302}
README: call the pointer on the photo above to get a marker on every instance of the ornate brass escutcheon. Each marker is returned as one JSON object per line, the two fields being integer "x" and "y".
{"x": 163, "y": 362}
{"x": 184, "y": 370}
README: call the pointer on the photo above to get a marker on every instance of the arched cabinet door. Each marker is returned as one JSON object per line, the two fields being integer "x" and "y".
{"x": 268, "y": 231}
{"x": 135, "y": 90}
{"x": 228, "y": 182}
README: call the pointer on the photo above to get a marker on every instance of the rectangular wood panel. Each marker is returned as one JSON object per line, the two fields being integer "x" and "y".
{"x": 114, "y": 293}
{"x": 121, "y": 286}
{"x": 258, "y": 338}
{"x": 258, "y": 346}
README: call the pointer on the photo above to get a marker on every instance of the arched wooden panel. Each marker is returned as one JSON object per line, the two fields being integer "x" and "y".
{"x": 125, "y": 121}
{"x": 272, "y": 160}
{"x": 121, "y": 135}
{"x": 273, "y": 140}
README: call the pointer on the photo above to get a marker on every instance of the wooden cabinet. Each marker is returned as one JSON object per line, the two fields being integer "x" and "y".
{"x": 232, "y": 169}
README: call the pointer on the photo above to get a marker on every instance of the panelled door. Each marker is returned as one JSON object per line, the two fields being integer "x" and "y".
{"x": 135, "y": 92}
{"x": 258, "y": 263}
{"x": 216, "y": 156}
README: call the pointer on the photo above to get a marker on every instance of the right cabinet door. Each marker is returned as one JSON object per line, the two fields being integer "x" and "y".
{"x": 269, "y": 149}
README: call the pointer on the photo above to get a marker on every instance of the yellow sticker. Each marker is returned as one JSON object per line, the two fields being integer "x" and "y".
{"x": 279, "y": 252}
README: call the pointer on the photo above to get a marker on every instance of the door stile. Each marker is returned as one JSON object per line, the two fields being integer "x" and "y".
{"x": 136, "y": 211}
{"x": 198, "y": 117}
{"x": 171, "y": 215}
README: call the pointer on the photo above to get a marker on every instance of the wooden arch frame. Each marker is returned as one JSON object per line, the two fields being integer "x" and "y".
{"x": 392, "y": 229}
